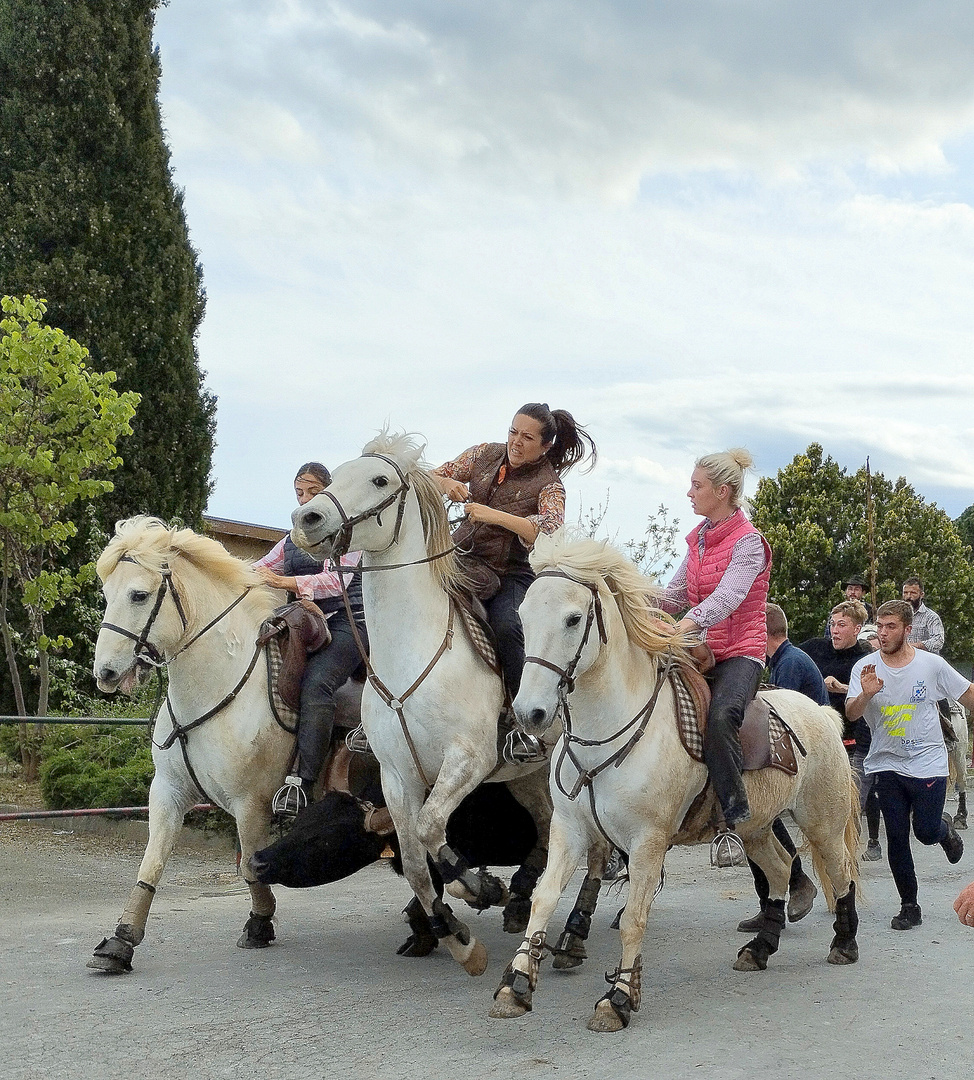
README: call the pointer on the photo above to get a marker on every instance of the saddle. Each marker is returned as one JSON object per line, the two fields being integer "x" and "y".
{"x": 766, "y": 740}
{"x": 299, "y": 629}
{"x": 474, "y": 617}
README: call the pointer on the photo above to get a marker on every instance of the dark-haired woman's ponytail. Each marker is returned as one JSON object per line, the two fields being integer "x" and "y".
{"x": 570, "y": 443}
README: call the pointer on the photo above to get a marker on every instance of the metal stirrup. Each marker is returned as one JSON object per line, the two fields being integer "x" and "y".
{"x": 727, "y": 849}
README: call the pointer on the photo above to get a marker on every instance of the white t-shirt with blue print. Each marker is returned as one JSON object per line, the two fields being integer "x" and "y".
{"x": 903, "y": 717}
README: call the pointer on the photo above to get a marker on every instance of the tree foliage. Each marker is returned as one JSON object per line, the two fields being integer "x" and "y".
{"x": 813, "y": 514}
{"x": 965, "y": 527}
{"x": 93, "y": 222}
{"x": 62, "y": 422}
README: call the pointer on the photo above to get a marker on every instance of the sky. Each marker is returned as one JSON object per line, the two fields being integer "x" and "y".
{"x": 694, "y": 225}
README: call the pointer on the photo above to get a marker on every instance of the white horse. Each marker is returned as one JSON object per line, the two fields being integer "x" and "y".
{"x": 181, "y": 599}
{"x": 639, "y": 799}
{"x": 431, "y": 706}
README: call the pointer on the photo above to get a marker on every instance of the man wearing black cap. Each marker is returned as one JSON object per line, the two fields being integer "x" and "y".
{"x": 855, "y": 588}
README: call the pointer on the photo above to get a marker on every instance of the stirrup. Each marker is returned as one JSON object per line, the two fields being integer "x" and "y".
{"x": 357, "y": 741}
{"x": 727, "y": 849}
{"x": 290, "y": 799}
{"x": 523, "y": 749}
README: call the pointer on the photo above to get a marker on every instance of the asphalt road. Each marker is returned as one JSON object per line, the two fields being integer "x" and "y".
{"x": 331, "y": 998}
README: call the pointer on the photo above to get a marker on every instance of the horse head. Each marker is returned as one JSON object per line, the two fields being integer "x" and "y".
{"x": 149, "y": 608}
{"x": 367, "y": 502}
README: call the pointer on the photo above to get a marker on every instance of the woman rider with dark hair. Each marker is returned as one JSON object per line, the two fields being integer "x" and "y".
{"x": 287, "y": 567}
{"x": 510, "y": 492}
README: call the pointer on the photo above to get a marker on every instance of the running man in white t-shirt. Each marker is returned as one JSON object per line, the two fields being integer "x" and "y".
{"x": 897, "y": 690}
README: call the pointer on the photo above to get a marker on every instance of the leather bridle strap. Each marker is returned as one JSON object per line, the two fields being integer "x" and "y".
{"x": 567, "y": 675}
{"x": 349, "y": 523}
{"x": 144, "y": 649}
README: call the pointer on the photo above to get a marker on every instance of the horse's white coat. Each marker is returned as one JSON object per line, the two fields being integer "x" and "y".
{"x": 452, "y": 716}
{"x": 241, "y": 754}
{"x": 643, "y": 802}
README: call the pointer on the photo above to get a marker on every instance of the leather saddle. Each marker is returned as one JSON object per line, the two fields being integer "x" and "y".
{"x": 765, "y": 739}
{"x": 301, "y": 629}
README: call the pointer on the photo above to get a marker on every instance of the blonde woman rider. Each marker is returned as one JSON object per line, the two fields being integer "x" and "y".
{"x": 724, "y": 581}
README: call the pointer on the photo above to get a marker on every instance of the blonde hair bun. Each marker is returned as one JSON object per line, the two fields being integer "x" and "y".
{"x": 728, "y": 468}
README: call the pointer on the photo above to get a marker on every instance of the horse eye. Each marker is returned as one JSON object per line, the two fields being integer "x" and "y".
{"x": 139, "y": 597}
{"x": 380, "y": 481}
{"x": 573, "y": 620}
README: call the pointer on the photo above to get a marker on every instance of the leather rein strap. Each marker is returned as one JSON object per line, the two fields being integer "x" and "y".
{"x": 566, "y": 686}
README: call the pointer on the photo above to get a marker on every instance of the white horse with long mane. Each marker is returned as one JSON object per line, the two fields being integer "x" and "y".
{"x": 174, "y": 597}
{"x": 640, "y": 798}
{"x": 431, "y": 706}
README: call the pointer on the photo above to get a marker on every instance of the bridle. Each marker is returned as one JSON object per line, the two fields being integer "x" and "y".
{"x": 344, "y": 535}
{"x": 566, "y": 676}
{"x": 566, "y": 685}
{"x": 145, "y": 651}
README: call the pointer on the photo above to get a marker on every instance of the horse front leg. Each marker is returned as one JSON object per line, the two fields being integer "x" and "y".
{"x": 460, "y": 773}
{"x": 405, "y": 807}
{"x": 613, "y": 1011}
{"x": 168, "y": 805}
{"x": 570, "y": 950}
{"x": 514, "y": 996}
{"x": 253, "y": 819}
{"x": 767, "y": 852}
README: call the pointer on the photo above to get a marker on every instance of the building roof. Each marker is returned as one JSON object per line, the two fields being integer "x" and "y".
{"x": 227, "y": 527}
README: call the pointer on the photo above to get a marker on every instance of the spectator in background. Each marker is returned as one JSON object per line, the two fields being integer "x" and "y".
{"x": 855, "y": 588}
{"x": 928, "y": 627}
{"x": 791, "y": 669}
{"x": 835, "y": 657}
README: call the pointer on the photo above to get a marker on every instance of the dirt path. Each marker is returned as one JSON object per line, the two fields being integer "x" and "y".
{"x": 332, "y": 996}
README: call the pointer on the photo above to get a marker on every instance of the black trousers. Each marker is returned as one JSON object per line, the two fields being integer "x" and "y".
{"x": 899, "y": 797}
{"x": 326, "y": 671}
{"x": 733, "y": 684}
{"x": 506, "y": 624}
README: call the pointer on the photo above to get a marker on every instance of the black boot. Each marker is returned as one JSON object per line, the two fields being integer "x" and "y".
{"x": 314, "y": 739}
{"x": 908, "y": 918}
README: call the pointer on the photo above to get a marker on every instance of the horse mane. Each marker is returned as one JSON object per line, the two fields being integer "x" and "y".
{"x": 597, "y": 562}
{"x": 155, "y": 545}
{"x": 406, "y": 451}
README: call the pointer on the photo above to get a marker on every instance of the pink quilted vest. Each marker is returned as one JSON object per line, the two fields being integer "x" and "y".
{"x": 744, "y": 633}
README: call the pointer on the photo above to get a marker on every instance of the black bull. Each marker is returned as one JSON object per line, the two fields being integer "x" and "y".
{"x": 329, "y": 841}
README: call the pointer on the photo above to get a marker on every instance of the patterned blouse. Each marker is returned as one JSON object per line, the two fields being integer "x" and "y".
{"x": 551, "y": 501}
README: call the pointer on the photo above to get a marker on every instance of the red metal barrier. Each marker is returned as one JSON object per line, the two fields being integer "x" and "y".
{"x": 121, "y": 811}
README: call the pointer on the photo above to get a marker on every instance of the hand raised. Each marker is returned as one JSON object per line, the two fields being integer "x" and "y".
{"x": 871, "y": 682}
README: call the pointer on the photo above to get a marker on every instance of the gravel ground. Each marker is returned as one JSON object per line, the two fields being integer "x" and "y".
{"x": 332, "y": 994}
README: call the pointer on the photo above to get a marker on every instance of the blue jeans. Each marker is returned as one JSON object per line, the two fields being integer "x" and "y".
{"x": 899, "y": 796}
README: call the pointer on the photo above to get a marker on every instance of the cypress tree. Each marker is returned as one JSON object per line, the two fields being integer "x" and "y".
{"x": 91, "y": 220}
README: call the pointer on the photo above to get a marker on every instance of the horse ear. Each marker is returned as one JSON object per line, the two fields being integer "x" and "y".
{"x": 413, "y": 456}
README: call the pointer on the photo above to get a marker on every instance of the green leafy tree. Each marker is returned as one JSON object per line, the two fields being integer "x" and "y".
{"x": 965, "y": 527}
{"x": 62, "y": 422}
{"x": 93, "y": 222}
{"x": 813, "y": 514}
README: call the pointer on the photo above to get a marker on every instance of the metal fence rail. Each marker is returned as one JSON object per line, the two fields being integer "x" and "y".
{"x": 90, "y": 720}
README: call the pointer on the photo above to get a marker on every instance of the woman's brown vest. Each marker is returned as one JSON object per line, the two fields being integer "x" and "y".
{"x": 498, "y": 548}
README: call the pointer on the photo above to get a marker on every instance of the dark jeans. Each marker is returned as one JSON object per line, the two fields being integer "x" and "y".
{"x": 898, "y": 797}
{"x": 761, "y": 886}
{"x": 733, "y": 684}
{"x": 506, "y": 624}
{"x": 325, "y": 673}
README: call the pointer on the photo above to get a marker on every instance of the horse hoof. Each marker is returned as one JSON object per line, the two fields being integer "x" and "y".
{"x": 605, "y": 1018}
{"x": 848, "y": 955}
{"x": 245, "y": 941}
{"x": 960, "y": 821}
{"x": 459, "y": 891}
{"x": 565, "y": 961}
{"x": 415, "y": 945}
{"x": 507, "y": 1006}
{"x": 747, "y": 961}
{"x": 476, "y": 961}
{"x": 109, "y": 965}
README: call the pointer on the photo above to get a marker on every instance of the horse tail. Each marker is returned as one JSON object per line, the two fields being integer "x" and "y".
{"x": 850, "y": 853}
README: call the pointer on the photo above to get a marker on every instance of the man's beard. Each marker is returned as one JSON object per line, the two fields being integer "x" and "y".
{"x": 915, "y": 604}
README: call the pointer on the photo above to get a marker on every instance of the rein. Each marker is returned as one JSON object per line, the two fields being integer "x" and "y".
{"x": 344, "y": 534}
{"x": 566, "y": 686}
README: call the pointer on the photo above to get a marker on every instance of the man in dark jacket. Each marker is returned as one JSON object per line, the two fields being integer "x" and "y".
{"x": 835, "y": 657}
